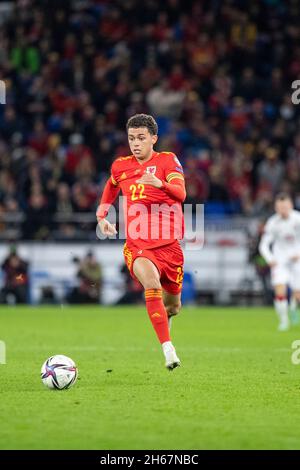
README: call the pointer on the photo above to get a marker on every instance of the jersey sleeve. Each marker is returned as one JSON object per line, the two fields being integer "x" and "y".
{"x": 267, "y": 239}
{"x": 173, "y": 168}
{"x": 113, "y": 175}
{"x": 298, "y": 224}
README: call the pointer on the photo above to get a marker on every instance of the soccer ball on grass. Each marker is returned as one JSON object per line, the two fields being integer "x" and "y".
{"x": 59, "y": 372}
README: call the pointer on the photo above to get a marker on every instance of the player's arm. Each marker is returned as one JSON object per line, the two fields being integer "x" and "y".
{"x": 265, "y": 245}
{"x": 175, "y": 188}
{"x": 174, "y": 184}
{"x": 296, "y": 257}
{"x": 109, "y": 195}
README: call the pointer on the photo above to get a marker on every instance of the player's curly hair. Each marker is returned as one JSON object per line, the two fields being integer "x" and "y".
{"x": 143, "y": 120}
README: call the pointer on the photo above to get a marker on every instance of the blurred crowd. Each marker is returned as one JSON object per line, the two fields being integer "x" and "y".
{"x": 215, "y": 74}
{"x": 85, "y": 287}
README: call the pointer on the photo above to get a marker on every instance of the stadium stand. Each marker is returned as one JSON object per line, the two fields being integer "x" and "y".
{"x": 216, "y": 74}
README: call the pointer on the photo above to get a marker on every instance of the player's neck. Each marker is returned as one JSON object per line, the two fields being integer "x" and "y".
{"x": 146, "y": 158}
{"x": 286, "y": 216}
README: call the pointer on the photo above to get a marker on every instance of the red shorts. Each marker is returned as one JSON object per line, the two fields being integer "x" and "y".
{"x": 168, "y": 259}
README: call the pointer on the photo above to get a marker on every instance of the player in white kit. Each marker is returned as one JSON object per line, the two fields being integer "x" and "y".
{"x": 280, "y": 246}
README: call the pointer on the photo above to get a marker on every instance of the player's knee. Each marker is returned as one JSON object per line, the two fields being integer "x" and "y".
{"x": 151, "y": 283}
{"x": 280, "y": 292}
{"x": 173, "y": 309}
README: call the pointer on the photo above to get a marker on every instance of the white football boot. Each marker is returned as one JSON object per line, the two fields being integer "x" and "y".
{"x": 172, "y": 360}
{"x": 284, "y": 326}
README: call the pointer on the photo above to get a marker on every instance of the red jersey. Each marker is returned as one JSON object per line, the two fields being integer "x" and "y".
{"x": 153, "y": 216}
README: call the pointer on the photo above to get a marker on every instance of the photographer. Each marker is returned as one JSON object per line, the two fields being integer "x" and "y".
{"x": 89, "y": 275}
{"x": 15, "y": 271}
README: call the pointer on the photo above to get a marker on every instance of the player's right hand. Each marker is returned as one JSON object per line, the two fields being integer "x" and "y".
{"x": 107, "y": 228}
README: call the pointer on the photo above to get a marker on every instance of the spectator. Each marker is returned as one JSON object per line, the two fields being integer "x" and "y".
{"x": 271, "y": 170}
{"x": 76, "y": 153}
{"x": 16, "y": 285}
{"x": 89, "y": 277}
{"x": 165, "y": 101}
{"x": 36, "y": 224}
{"x": 217, "y": 189}
{"x": 197, "y": 186}
{"x": 64, "y": 206}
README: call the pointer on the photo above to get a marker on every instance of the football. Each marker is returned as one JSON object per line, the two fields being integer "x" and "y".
{"x": 59, "y": 372}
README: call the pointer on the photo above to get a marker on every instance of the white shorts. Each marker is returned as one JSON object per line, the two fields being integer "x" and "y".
{"x": 287, "y": 274}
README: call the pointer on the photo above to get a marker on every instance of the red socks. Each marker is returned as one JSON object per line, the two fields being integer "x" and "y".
{"x": 157, "y": 314}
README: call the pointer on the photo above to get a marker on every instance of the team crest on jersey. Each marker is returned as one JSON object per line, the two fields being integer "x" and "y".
{"x": 151, "y": 170}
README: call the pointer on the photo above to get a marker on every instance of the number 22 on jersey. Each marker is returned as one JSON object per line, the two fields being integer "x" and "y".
{"x": 137, "y": 192}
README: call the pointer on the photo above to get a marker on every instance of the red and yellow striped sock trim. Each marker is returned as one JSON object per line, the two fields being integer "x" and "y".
{"x": 153, "y": 294}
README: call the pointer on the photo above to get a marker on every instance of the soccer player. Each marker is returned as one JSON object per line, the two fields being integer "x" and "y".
{"x": 280, "y": 246}
{"x": 153, "y": 186}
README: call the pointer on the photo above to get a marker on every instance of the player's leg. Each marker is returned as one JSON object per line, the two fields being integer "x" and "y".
{"x": 148, "y": 275}
{"x": 295, "y": 297}
{"x": 172, "y": 304}
{"x": 281, "y": 306}
{"x": 171, "y": 279}
{"x": 280, "y": 278}
{"x": 293, "y": 308}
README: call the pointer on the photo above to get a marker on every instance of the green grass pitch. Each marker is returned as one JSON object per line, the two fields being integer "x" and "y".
{"x": 236, "y": 389}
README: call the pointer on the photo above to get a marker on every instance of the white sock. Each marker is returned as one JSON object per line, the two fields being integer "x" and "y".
{"x": 167, "y": 346}
{"x": 281, "y": 307}
{"x": 293, "y": 304}
{"x": 294, "y": 316}
{"x": 170, "y": 323}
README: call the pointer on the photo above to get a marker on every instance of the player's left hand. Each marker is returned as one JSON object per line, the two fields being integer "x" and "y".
{"x": 151, "y": 180}
{"x": 295, "y": 258}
